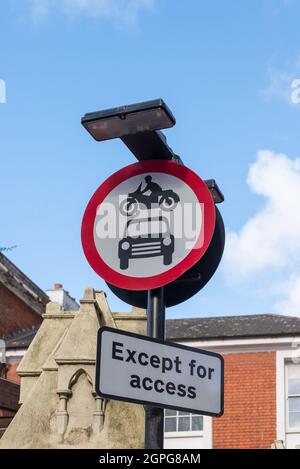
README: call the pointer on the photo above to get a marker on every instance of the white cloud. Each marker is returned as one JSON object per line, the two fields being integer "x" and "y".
{"x": 269, "y": 242}
{"x": 291, "y": 303}
{"x": 275, "y": 7}
{"x": 272, "y": 237}
{"x": 40, "y": 9}
{"x": 279, "y": 86}
{"x": 119, "y": 11}
{"x": 280, "y": 82}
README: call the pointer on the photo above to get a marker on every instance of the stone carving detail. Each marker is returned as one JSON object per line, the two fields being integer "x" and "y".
{"x": 62, "y": 415}
{"x": 99, "y": 414}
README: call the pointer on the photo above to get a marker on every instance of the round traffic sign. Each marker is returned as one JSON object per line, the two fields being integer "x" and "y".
{"x": 147, "y": 224}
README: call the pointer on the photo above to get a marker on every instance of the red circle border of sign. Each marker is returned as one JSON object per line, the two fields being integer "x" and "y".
{"x": 147, "y": 283}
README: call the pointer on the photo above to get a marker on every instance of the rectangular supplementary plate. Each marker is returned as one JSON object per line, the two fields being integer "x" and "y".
{"x": 137, "y": 368}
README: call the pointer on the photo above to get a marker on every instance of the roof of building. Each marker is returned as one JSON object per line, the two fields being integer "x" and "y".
{"x": 24, "y": 288}
{"x": 21, "y": 339}
{"x": 226, "y": 327}
{"x": 212, "y": 328}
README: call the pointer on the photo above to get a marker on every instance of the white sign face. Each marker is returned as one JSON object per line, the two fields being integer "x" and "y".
{"x": 142, "y": 241}
{"x": 140, "y": 369}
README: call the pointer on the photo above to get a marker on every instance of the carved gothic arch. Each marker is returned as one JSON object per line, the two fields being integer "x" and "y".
{"x": 62, "y": 414}
{"x": 74, "y": 378}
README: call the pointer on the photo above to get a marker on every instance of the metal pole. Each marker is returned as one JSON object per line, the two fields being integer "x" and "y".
{"x": 154, "y": 416}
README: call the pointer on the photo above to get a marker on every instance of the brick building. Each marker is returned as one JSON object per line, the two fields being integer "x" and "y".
{"x": 262, "y": 382}
{"x": 22, "y": 304}
{"x": 9, "y": 403}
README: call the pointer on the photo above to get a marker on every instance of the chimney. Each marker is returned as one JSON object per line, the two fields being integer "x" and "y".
{"x": 62, "y": 297}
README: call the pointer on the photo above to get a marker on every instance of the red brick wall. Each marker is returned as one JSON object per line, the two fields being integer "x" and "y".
{"x": 249, "y": 420}
{"x": 11, "y": 373}
{"x": 14, "y": 314}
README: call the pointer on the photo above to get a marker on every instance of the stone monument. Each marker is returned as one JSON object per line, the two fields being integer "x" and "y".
{"x": 59, "y": 406}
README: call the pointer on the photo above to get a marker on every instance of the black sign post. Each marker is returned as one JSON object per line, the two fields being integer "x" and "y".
{"x": 154, "y": 416}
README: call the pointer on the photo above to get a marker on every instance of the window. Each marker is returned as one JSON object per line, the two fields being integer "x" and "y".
{"x": 176, "y": 421}
{"x": 293, "y": 388}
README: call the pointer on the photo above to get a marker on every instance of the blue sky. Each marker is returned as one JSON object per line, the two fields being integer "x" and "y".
{"x": 224, "y": 68}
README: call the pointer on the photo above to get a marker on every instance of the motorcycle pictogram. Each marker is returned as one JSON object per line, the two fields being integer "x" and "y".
{"x": 167, "y": 200}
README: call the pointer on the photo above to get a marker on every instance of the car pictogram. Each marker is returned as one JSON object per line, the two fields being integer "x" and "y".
{"x": 146, "y": 237}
